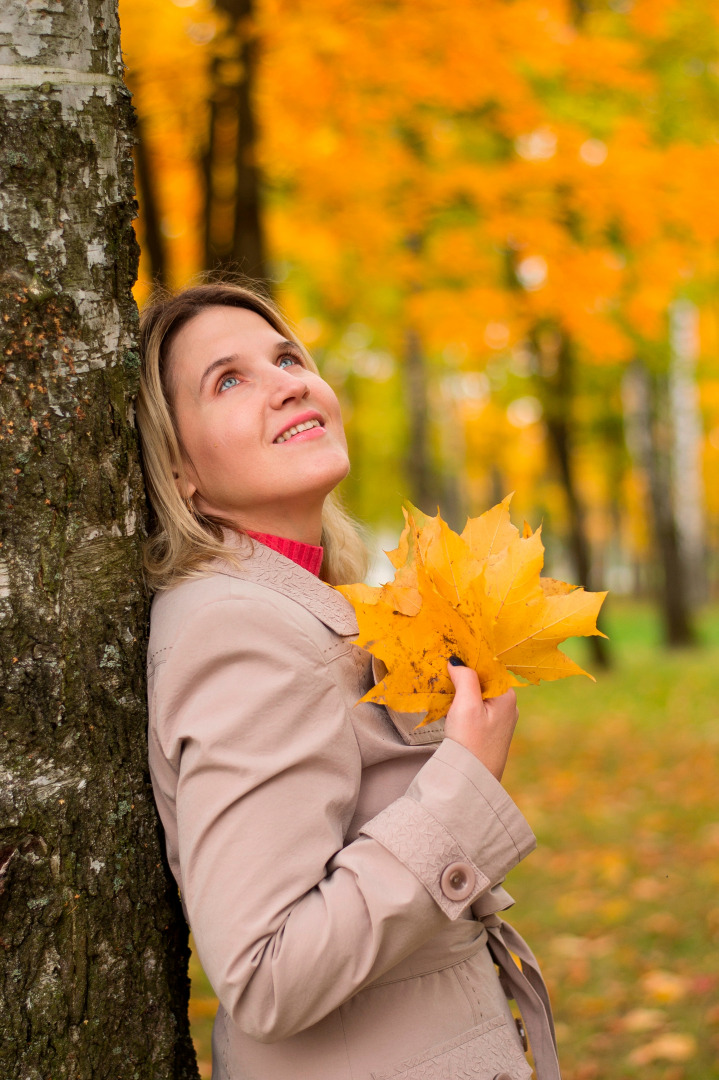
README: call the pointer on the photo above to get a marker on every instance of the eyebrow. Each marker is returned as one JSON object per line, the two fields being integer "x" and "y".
{"x": 282, "y": 346}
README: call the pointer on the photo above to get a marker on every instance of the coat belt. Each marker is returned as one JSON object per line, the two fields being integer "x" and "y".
{"x": 525, "y": 985}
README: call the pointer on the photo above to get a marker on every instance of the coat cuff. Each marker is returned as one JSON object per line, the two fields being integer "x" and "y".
{"x": 430, "y": 851}
{"x": 456, "y": 829}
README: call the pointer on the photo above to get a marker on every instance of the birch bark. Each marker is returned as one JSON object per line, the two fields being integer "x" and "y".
{"x": 687, "y": 478}
{"x": 94, "y": 948}
{"x": 649, "y": 440}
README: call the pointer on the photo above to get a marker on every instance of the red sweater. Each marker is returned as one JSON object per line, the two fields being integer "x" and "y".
{"x": 307, "y": 555}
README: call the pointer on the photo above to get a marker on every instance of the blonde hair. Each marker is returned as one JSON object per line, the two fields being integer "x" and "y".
{"x": 183, "y": 542}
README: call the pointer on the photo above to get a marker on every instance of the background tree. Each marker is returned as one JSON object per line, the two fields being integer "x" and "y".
{"x": 93, "y": 977}
{"x": 233, "y": 228}
{"x": 152, "y": 220}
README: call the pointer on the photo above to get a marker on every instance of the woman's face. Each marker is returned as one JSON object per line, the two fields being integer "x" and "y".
{"x": 239, "y": 390}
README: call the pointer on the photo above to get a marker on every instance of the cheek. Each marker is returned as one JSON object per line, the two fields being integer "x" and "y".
{"x": 205, "y": 458}
{"x": 342, "y": 435}
{"x": 332, "y": 407}
{"x": 213, "y": 438}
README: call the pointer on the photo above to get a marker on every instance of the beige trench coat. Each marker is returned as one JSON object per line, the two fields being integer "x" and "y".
{"x": 339, "y": 871}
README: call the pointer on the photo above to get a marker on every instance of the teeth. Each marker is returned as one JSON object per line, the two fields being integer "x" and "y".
{"x": 294, "y": 430}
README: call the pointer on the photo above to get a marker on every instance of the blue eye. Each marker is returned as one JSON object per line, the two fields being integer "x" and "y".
{"x": 228, "y": 382}
{"x": 289, "y": 359}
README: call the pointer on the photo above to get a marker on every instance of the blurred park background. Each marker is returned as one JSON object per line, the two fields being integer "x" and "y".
{"x": 495, "y": 224}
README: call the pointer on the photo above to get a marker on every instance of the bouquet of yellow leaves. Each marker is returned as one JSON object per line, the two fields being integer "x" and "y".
{"x": 479, "y": 596}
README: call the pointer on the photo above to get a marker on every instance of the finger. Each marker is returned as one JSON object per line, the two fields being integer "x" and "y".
{"x": 466, "y": 683}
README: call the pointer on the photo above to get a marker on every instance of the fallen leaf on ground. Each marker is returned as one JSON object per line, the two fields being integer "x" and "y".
{"x": 667, "y": 1047}
{"x": 642, "y": 1020}
{"x": 664, "y": 986}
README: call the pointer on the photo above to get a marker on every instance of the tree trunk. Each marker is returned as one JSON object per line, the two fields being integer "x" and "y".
{"x": 233, "y": 225}
{"x": 423, "y": 486}
{"x": 419, "y": 469}
{"x": 649, "y": 444}
{"x": 93, "y": 980}
{"x": 557, "y": 364}
{"x": 687, "y": 479}
{"x": 154, "y": 241}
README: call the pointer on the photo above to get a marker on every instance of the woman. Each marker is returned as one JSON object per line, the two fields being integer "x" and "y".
{"x": 340, "y": 871}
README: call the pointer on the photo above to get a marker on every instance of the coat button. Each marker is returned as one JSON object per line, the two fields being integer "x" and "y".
{"x": 503, "y": 1076}
{"x": 457, "y": 881}
{"x": 522, "y": 1034}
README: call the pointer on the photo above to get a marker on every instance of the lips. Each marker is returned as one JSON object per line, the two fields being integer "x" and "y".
{"x": 300, "y": 423}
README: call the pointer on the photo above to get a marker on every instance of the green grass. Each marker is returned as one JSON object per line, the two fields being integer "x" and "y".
{"x": 620, "y": 901}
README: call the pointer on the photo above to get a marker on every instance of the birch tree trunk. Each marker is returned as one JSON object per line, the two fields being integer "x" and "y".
{"x": 93, "y": 971}
{"x": 649, "y": 442}
{"x": 687, "y": 479}
{"x": 557, "y": 365}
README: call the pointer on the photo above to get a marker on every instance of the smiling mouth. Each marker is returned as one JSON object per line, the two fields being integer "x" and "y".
{"x": 296, "y": 430}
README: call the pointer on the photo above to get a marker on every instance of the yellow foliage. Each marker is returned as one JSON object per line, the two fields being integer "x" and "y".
{"x": 491, "y": 134}
{"x": 478, "y": 596}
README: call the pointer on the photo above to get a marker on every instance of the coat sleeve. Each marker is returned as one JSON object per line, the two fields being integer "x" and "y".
{"x": 288, "y": 922}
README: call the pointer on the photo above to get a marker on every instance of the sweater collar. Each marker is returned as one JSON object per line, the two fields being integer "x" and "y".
{"x": 309, "y": 556}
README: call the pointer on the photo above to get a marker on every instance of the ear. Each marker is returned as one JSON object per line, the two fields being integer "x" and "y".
{"x": 185, "y": 487}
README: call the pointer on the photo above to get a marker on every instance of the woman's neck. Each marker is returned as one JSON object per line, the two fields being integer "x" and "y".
{"x": 302, "y": 529}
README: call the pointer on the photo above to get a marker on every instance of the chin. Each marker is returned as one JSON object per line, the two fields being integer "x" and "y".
{"x": 324, "y": 480}
{"x": 341, "y": 472}
{"x": 334, "y": 467}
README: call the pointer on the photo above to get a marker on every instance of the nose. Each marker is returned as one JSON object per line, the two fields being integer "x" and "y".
{"x": 287, "y": 387}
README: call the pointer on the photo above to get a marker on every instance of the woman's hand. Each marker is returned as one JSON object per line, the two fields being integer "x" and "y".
{"x": 483, "y": 727}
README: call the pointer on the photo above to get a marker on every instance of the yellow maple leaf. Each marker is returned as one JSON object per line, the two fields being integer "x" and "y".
{"x": 491, "y": 532}
{"x": 478, "y": 595}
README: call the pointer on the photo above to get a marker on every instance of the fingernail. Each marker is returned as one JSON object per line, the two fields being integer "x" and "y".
{"x": 456, "y": 662}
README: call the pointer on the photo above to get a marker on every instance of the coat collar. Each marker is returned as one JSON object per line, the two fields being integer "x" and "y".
{"x": 264, "y": 566}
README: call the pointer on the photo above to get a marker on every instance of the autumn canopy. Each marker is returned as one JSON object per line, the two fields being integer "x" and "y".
{"x": 495, "y": 227}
